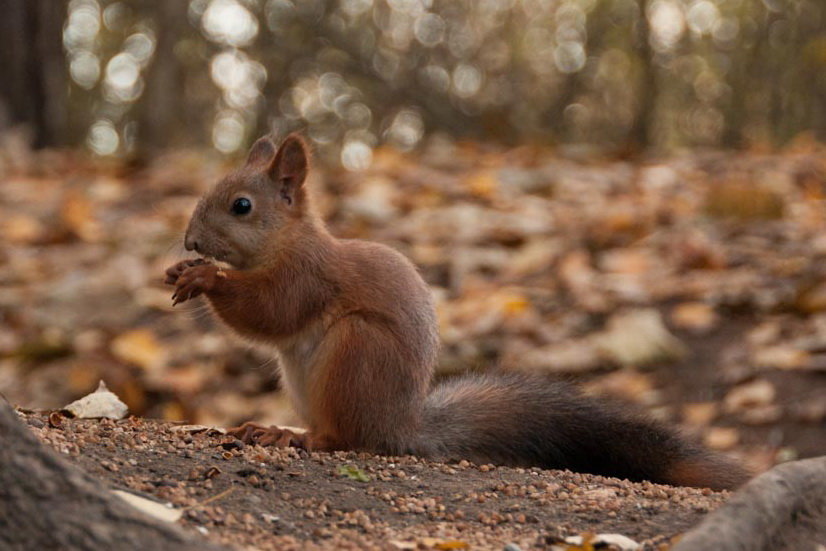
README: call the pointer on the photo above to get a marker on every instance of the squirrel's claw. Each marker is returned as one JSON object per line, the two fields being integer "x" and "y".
{"x": 187, "y": 291}
{"x": 196, "y": 277}
{"x": 174, "y": 272}
{"x": 252, "y": 433}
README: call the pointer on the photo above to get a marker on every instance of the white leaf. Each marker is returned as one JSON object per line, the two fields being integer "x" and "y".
{"x": 100, "y": 403}
{"x": 151, "y": 508}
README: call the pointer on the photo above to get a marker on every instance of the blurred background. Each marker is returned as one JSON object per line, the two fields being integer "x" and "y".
{"x": 133, "y": 76}
{"x": 630, "y": 194}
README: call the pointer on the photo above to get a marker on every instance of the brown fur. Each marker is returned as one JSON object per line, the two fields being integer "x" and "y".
{"x": 355, "y": 330}
{"x": 705, "y": 472}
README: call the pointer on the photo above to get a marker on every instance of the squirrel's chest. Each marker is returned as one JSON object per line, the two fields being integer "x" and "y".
{"x": 298, "y": 356}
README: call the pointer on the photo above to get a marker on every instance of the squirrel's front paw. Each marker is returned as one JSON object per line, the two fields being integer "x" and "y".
{"x": 193, "y": 281}
{"x": 174, "y": 272}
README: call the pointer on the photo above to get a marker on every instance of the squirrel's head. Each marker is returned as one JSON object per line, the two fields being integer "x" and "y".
{"x": 234, "y": 221}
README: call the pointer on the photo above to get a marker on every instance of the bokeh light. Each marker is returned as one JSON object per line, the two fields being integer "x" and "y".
{"x": 230, "y": 23}
{"x": 362, "y": 73}
{"x": 103, "y": 138}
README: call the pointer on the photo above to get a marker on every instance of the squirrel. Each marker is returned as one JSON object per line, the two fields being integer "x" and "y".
{"x": 355, "y": 331}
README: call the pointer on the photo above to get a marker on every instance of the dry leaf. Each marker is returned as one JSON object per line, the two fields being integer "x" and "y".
{"x": 482, "y": 184}
{"x": 152, "y": 508}
{"x": 139, "y": 347}
{"x": 639, "y": 338}
{"x": 781, "y": 357}
{"x": 601, "y": 541}
{"x": 78, "y": 216}
{"x": 754, "y": 394}
{"x": 21, "y": 228}
{"x": 700, "y": 414}
{"x": 721, "y": 438}
{"x": 761, "y": 415}
{"x": 627, "y": 384}
{"x": 101, "y": 403}
{"x": 197, "y": 429}
{"x": 448, "y": 545}
{"x": 696, "y": 317}
{"x": 626, "y": 261}
{"x": 565, "y": 357}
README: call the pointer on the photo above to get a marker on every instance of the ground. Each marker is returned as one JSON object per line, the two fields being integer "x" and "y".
{"x": 288, "y": 499}
{"x": 693, "y": 286}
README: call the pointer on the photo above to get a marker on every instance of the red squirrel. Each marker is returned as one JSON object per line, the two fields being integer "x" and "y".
{"x": 355, "y": 331}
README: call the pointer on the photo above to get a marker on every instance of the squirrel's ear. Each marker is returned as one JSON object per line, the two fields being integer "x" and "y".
{"x": 289, "y": 168}
{"x": 261, "y": 152}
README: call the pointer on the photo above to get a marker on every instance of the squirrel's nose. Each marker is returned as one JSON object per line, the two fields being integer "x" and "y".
{"x": 190, "y": 244}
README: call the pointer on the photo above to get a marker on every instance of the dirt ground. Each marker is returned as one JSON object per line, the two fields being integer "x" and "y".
{"x": 694, "y": 287}
{"x": 266, "y": 498}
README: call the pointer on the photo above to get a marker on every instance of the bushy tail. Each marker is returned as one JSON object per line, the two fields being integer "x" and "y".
{"x": 521, "y": 420}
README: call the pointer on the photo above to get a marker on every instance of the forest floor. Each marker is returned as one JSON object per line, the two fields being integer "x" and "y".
{"x": 693, "y": 286}
{"x": 265, "y": 498}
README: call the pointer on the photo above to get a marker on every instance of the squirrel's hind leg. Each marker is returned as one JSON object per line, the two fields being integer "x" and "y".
{"x": 367, "y": 389}
{"x": 281, "y": 437}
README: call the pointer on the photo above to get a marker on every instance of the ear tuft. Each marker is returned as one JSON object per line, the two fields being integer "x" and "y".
{"x": 261, "y": 152}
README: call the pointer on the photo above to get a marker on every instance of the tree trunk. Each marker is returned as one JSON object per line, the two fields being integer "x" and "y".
{"x": 163, "y": 105}
{"x": 33, "y": 68}
{"x": 783, "y": 509}
{"x": 45, "y": 503}
{"x": 640, "y": 133}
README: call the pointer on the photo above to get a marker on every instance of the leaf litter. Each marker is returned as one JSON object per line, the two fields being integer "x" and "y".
{"x": 536, "y": 261}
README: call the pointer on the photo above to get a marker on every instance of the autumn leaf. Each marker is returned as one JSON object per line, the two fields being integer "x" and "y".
{"x": 353, "y": 473}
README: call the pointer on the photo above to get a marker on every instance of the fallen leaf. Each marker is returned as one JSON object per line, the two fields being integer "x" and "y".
{"x": 21, "y": 228}
{"x": 699, "y": 414}
{"x": 721, "y": 438}
{"x": 696, "y": 317}
{"x": 451, "y": 544}
{"x": 626, "y": 384}
{"x": 78, "y": 214}
{"x": 152, "y": 508}
{"x": 780, "y": 357}
{"x": 100, "y": 403}
{"x": 591, "y": 542}
{"x": 139, "y": 347}
{"x": 639, "y": 338}
{"x": 482, "y": 184}
{"x": 811, "y": 299}
{"x": 353, "y": 473}
{"x": 626, "y": 261}
{"x": 761, "y": 415}
{"x": 565, "y": 357}
{"x": 197, "y": 429}
{"x": 743, "y": 200}
{"x": 749, "y": 395}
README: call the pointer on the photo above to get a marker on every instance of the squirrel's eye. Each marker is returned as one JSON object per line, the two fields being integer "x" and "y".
{"x": 242, "y": 205}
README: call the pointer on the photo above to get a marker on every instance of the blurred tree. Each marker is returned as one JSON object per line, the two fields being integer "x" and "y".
{"x": 162, "y": 107}
{"x": 640, "y": 133}
{"x": 149, "y": 74}
{"x": 33, "y": 68}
